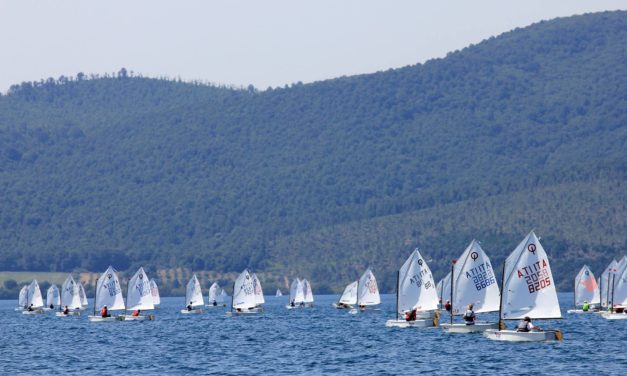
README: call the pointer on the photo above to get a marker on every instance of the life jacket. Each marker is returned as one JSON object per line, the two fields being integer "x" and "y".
{"x": 585, "y": 307}
{"x": 104, "y": 312}
{"x": 522, "y": 326}
{"x": 447, "y": 306}
{"x": 66, "y": 311}
{"x": 469, "y": 316}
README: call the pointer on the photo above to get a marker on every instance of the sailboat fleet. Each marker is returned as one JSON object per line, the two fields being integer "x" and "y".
{"x": 470, "y": 288}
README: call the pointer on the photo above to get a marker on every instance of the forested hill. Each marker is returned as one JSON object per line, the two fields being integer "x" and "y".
{"x": 525, "y": 130}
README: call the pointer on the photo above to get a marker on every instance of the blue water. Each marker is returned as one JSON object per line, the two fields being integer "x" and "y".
{"x": 320, "y": 340}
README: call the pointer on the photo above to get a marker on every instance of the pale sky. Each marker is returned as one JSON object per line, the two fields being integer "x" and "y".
{"x": 241, "y": 42}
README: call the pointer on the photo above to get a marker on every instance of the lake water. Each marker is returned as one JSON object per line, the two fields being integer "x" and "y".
{"x": 320, "y": 340}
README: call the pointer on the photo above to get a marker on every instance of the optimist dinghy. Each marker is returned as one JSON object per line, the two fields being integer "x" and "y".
{"x": 349, "y": 297}
{"x": 70, "y": 297}
{"x": 244, "y": 301}
{"x": 618, "y": 292}
{"x": 297, "y": 295}
{"x": 193, "y": 297}
{"x": 416, "y": 294}
{"x": 139, "y": 297}
{"x": 472, "y": 282}
{"x": 309, "y": 299}
{"x": 367, "y": 292}
{"x": 215, "y": 298}
{"x": 278, "y": 293}
{"x": 108, "y": 293}
{"x": 22, "y": 300}
{"x": 586, "y": 290}
{"x": 528, "y": 291}
{"x": 34, "y": 300}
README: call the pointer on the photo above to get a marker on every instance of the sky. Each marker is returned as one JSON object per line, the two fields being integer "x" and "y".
{"x": 242, "y": 42}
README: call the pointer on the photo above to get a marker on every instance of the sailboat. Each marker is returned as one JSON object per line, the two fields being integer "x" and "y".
{"x": 278, "y": 292}
{"x": 528, "y": 290}
{"x": 154, "y": 290}
{"x": 193, "y": 296}
{"x": 297, "y": 295}
{"x": 415, "y": 290}
{"x": 259, "y": 299}
{"x": 473, "y": 282}
{"x": 83, "y": 295}
{"x": 367, "y": 291}
{"x": 34, "y": 300}
{"x": 309, "y": 299}
{"x": 139, "y": 297}
{"x": 22, "y": 300}
{"x": 618, "y": 293}
{"x": 108, "y": 293}
{"x": 444, "y": 290}
{"x": 349, "y": 296}
{"x": 70, "y": 297}
{"x": 53, "y": 298}
{"x": 604, "y": 285}
{"x": 215, "y": 299}
{"x": 244, "y": 300}
{"x": 586, "y": 290}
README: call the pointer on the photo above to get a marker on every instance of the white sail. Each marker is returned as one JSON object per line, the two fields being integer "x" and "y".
{"x": 138, "y": 295}
{"x": 307, "y": 292}
{"x": 34, "y": 295}
{"x": 619, "y": 296}
{"x": 528, "y": 288}
{"x": 297, "y": 295}
{"x": 82, "y": 295}
{"x": 474, "y": 282}
{"x": 278, "y": 292}
{"x": 108, "y": 291}
{"x": 70, "y": 293}
{"x": 444, "y": 288}
{"x": 604, "y": 285}
{"x": 214, "y": 293}
{"x": 220, "y": 296}
{"x": 23, "y": 297}
{"x": 416, "y": 287}
{"x": 193, "y": 293}
{"x": 586, "y": 288}
{"x": 244, "y": 291}
{"x": 349, "y": 296}
{"x": 154, "y": 290}
{"x": 368, "y": 291}
{"x": 223, "y": 293}
{"x": 259, "y": 299}
{"x": 52, "y": 296}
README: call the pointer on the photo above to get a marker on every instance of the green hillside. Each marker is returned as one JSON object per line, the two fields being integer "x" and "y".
{"x": 525, "y": 130}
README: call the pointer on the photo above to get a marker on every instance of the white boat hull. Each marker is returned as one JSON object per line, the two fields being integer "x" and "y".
{"x": 420, "y": 323}
{"x": 186, "y": 311}
{"x": 514, "y": 336}
{"x": 215, "y": 306}
{"x": 35, "y": 312}
{"x": 580, "y": 311}
{"x": 614, "y": 316}
{"x": 136, "y": 318}
{"x": 102, "y": 319}
{"x": 251, "y": 311}
{"x": 463, "y": 328}
{"x": 71, "y": 313}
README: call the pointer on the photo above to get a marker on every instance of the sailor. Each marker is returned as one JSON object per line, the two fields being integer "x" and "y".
{"x": 215, "y": 303}
{"x": 447, "y": 306}
{"x": 51, "y": 306}
{"x": 30, "y": 308}
{"x": 469, "y": 316}
{"x": 189, "y": 306}
{"x": 525, "y": 325}
{"x": 104, "y": 312}
{"x": 66, "y": 310}
{"x": 410, "y": 315}
{"x": 585, "y": 306}
{"x": 292, "y": 304}
{"x": 302, "y": 304}
{"x": 136, "y": 313}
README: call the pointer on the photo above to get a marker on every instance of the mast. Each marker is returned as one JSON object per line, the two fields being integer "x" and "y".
{"x": 612, "y": 304}
{"x": 601, "y": 291}
{"x": 95, "y": 293}
{"x": 398, "y": 289}
{"x": 452, "y": 281}
{"x": 233, "y": 298}
{"x": 501, "y": 322}
{"x": 575, "y": 294}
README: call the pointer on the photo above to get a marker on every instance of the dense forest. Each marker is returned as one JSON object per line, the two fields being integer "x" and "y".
{"x": 526, "y": 130}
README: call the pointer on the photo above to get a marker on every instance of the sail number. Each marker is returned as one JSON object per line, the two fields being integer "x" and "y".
{"x": 482, "y": 276}
{"x": 536, "y": 275}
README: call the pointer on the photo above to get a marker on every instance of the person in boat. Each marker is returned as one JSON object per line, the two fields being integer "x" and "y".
{"x": 215, "y": 303}
{"x": 104, "y": 312}
{"x": 51, "y": 306}
{"x": 362, "y": 307}
{"x": 292, "y": 304}
{"x": 189, "y": 306}
{"x": 302, "y": 304}
{"x": 410, "y": 315}
{"x": 585, "y": 306}
{"x": 238, "y": 309}
{"x": 447, "y": 306}
{"x": 66, "y": 310}
{"x": 136, "y": 313}
{"x": 469, "y": 316}
{"x": 30, "y": 308}
{"x": 525, "y": 325}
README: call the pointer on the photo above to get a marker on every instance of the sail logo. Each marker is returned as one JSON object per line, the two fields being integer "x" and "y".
{"x": 143, "y": 288}
{"x": 248, "y": 288}
{"x": 371, "y": 285}
{"x": 113, "y": 288}
{"x": 417, "y": 280}
{"x": 536, "y": 275}
{"x": 482, "y": 276}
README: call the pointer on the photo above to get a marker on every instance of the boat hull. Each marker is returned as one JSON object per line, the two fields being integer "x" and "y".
{"x": 580, "y": 311}
{"x": 514, "y": 336}
{"x": 136, "y": 318}
{"x": 463, "y": 328}
{"x": 420, "y": 323}
{"x": 35, "y": 312}
{"x": 71, "y": 313}
{"x": 187, "y": 312}
{"x": 102, "y": 319}
{"x": 614, "y": 316}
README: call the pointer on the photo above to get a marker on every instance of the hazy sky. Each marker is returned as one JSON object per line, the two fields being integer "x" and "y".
{"x": 264, "y": 43}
